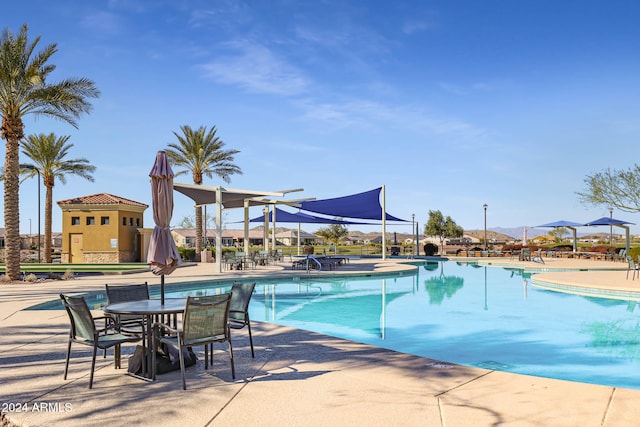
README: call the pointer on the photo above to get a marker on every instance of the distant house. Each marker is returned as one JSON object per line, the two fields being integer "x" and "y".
{"x": 101, "y": 228}
{"x": 290, "y": 238}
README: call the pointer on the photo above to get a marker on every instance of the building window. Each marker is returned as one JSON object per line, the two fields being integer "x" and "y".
{"x": 130, "y": 221}
{"x": 137, "y": 222}
{"x": 104, "y": 220}
{"x": 91, "y": 220}
{"x": 75, "y": 220}
{"x": 124, "y": 220}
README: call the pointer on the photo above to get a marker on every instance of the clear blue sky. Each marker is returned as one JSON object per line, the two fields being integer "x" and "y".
{"x": 449, "y": 104}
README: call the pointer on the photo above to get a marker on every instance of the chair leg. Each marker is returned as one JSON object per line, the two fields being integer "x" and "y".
{"x": 206, "y": 355}
{"x": 250, "y": 336}
{"x": 66, "y": 365}
{"x": 184, "y": 382}
{"x": 93, "y": 365}
{"x": 233, "y": 368}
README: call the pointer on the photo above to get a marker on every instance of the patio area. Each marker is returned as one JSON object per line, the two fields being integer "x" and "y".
{"x": 297, "y": 377}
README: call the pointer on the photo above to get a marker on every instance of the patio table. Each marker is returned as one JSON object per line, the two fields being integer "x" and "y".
{"x": 148, "y": 308}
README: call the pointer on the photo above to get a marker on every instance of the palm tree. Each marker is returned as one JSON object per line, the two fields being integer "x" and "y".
{"x": 201, "y": 153}
{"x": 24, "y": 90}
{"x": 48, "y": 153}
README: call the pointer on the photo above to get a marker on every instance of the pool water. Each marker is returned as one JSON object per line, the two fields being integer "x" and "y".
{"x": 466, "y": 314}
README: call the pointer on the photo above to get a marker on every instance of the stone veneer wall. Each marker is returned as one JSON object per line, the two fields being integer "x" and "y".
{"x": 109, "y": 257}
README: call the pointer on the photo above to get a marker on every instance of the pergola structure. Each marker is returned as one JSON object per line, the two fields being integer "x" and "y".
{"x": 227, "y": 198}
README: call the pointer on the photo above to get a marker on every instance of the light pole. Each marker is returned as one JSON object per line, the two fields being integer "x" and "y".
{"x": 485, "y": 226}
{"x": 611, "y": 228}
{"x": 33, "y": 168}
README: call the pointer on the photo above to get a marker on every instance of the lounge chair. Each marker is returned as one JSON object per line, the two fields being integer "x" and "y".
{"x": 206, "y": 321}
{"x": 538, "y": 258}
{"x": 83, "y": 331}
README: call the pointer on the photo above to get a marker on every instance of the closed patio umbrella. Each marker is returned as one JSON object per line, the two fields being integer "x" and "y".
{"x": 163, "y": 256}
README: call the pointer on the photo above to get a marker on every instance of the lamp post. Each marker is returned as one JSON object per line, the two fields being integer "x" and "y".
{"x": 485, "y": 226}
{"x": 611, "y": 228}
{"x": 32, "y": 167}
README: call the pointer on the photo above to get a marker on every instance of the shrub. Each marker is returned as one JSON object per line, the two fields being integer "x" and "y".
{"x": 68, "y": 275}
{"x": 187, "y": 254}
{"x": 31, "y": 278}
{"x": 430, "y": 249}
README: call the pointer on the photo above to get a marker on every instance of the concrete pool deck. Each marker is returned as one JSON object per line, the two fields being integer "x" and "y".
{"x": 297, "y": 377}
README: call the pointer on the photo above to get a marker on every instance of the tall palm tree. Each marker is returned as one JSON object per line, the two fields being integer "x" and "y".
{"x": 24, "y": 90}
{"x": 48, "y": 154}
{"x": 201, "y": 153}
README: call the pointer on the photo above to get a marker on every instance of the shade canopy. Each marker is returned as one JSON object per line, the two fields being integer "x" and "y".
{"x": 301, "y": 217}
{"x": 605, "y": 220}
{"x": 230, "y": 197}
{"x": 561, "y": 223}
{"x": 565, "y": 224}
{"x": 361, "y": 205}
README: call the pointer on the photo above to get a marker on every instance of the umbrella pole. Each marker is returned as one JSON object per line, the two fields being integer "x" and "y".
{"x": 162, "y": 289}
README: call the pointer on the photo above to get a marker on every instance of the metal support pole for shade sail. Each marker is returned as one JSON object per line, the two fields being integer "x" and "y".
{"x": 246, "y": 227}
{"x": 273, "y": 229}
{"x": 265, "y": 236}
{"x": 384, "y": 225}
{"x": 219, "y": 230}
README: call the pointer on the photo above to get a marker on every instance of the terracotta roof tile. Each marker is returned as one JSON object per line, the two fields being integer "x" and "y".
{"x": 101, "y": 199}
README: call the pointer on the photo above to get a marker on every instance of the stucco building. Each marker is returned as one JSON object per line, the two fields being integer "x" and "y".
{"x": 102, "y": 228}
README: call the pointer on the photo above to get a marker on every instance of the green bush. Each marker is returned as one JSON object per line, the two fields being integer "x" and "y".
{"x": 187, "y": 254}
{"x": 430, "y": 249}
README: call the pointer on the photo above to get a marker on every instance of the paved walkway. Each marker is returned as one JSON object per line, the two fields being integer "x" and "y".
{"x": 297, "y": 378}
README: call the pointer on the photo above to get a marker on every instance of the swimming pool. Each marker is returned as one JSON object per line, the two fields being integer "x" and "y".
{"x": 466, "y": 314}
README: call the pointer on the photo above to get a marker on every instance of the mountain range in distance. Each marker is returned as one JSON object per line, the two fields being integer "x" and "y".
{"x": 518, "y": 232}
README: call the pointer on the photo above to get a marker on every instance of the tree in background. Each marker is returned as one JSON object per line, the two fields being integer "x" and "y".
{"x": 202, "y": 154}
{"x": 24, "y": 90}
{"x": 333, "y": 233}
{"x": 444, "y": 228}
{"x": 558, "y": 233}
{"x": 48, "y": 154}
{"x": 613, "y": 188}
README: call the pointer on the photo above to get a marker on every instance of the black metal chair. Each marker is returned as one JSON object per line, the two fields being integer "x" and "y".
{"x": 206, "y": 321}
{"x": 126, "y": 293}
{"x": 239, "y": 309}
{"x": 83, "y": 331}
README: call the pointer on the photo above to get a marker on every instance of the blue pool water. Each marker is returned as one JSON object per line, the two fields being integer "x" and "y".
{"x": 486, "y": 317}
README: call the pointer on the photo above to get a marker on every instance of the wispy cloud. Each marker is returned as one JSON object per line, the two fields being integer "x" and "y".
{"x": 256, "y": 68}
{"x": 368, "y": 114}
{"x": 457, "y": 89}
{"x": 102, "y": 22}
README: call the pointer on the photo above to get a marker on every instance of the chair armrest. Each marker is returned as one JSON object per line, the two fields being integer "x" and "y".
{"x": 157, "y": 326}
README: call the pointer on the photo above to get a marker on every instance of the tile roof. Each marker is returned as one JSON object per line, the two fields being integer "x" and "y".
{"x": 101, "y": 199}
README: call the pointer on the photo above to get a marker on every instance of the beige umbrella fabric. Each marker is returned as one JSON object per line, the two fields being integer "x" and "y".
{"x": 162, "y": 257}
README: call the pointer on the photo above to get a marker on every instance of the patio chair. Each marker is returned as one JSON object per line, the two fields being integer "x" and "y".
{"x": 205, "y": 322}
{"x": 538, "y": 257}
{"x": 126, "y": 293}
{"x": 239, "y": 308}
{"x": 83, "y": 331}
{"x": 632, "y": 267}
